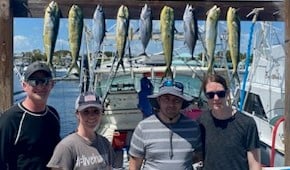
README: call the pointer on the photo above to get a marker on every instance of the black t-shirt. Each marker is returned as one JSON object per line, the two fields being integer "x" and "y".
{"x": 226, "y": 142}
{"x": 27, "y": 139}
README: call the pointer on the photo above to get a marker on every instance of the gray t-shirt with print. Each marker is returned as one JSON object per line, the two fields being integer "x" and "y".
{"x": 74, "y": 152}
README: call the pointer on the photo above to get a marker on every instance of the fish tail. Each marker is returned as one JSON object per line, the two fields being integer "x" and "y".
{"x": 120, "y": 62}
{"x": 210, "y": 70}
{"x": 74, "y": 66}
{"x": 144, "y": 53}
{"x": 236, "y": 77}
{"x": 168, "y": 73}
{"x": 51, "y": 67}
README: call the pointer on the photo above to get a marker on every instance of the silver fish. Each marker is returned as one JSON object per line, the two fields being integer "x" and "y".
{"x": 75, "y": 27}
{"x": 211, "y": 35}
{"x": 167, "y": 37}
{"x": 122, "y": 34}
{"x": 50, "y": 31}
{"x": 99, "y": 26}
{"x": 190, "y": 28}
{"x": 233, "y": 25}
{"x": 145, "y": 27}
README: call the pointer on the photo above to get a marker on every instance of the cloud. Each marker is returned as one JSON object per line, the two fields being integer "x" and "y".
{"x": 21, "y": 44}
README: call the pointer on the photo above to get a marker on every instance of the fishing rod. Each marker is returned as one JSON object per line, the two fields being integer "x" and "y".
{"x": 254, "y": 12}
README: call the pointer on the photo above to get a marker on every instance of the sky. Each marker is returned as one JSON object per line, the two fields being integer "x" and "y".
{"x": 28, "y": 35}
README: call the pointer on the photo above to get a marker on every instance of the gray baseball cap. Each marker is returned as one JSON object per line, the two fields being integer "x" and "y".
{"x": 88, "y": 99}
{"x": 37, "y": 66}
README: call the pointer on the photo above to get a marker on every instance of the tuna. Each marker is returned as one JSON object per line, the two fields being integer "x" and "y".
{"x": 233, "y": 25}
{"x": 211, "y": 35}
{"x": 167, "y": 37}
{"x": 75, "y": 30}
{"x": 190, "y": 28}
{"x": 50, "y": 31}
{"x": 145, "y": 27}
{"x": 122, "y": 34}
{"x": 99, "y": 27}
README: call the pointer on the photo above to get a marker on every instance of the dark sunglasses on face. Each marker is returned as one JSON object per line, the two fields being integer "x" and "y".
{"x": 170, "y": 83}
{"x": 211, "y": 94}
{"x": 38, "y": 81}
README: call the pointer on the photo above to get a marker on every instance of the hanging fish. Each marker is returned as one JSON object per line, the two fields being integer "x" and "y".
{"x": 50, "y": 31}
{"x": 211, "y": 35}
{"x": 122, "y": 34}
{"x": 233, "y": 24}
{"x": 190, "y": 28}
{"x": 75, "y": 30}
{"x": 167, "y": 37}
{"x": 99, "y": 27}
{"x": 145, "y": 27}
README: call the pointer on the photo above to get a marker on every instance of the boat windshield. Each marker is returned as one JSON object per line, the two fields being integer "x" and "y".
{"x": 253, "y": 104}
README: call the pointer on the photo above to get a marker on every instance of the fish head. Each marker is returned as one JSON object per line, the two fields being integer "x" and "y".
{"x": 231, "y": 13}
{"x": 99, "y": 12}
{"x": 188, "y": 12}
{"x": 52, "y": 9}
{"x": 123, "y": 12}
{"x": 75, "y": 12}
{"x": 167, "y": 14}
{"x": 214, "y": 13}
{"x": 100, "y": 8}
{"x": 146, "y": 12}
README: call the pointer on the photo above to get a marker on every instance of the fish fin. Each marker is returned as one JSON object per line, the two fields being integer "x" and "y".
{"x": 175, "y": 30}
{"x": 137, "y": 30}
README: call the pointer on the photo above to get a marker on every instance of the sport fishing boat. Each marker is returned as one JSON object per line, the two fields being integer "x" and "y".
{"x": 262, "y": 96}
{"x": 119, "y": 91}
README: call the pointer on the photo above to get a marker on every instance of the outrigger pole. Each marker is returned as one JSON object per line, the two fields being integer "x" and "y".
{"x": 254, "y": 12}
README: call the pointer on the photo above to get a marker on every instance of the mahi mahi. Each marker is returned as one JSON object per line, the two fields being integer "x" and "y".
{"x": 145, "y": 27}
{"x": 99, "y": 27}
{"x": 211, "y": 35}
{"x": 75, "y": 30}
{"x": 122, "y": 34}
{"x": 233, "y": 24}
{"x": 167, "y": 37}
{"x": 190, "y": 28}
{"x": 50, "y": 31}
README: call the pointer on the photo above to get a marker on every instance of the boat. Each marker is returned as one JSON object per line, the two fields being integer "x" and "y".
{"x": 263, "y": 91}
{"x": 262, "y": 95}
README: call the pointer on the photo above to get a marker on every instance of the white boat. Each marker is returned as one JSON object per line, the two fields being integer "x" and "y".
{"x": 264, "y": 96}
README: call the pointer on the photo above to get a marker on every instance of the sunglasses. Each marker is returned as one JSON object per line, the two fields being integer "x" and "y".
{"x": 220, "y": 94}
{"x": 38, "y": 81}
{"x": 171, "y": 83}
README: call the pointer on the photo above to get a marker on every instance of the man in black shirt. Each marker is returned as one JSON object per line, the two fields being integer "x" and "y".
{"x": 30, "y": 130}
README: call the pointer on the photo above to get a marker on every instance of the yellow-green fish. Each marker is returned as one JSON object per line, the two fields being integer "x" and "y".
{"x": 50, "y": 31}
{"x": 233, "y": 24}
{"x": 211, "y": 35}
{"x": 167, "y": 37}
{"x": 122, "y": 33}
{"x": 75, "y": 30}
